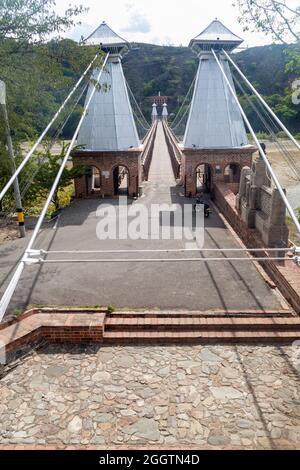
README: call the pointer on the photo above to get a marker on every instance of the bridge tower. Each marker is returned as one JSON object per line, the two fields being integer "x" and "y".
{"x": 215, "y": 144}
{"x": 154, "y": 112}
{"x": 165, "y": 113}
{"x": 109, "y": 138}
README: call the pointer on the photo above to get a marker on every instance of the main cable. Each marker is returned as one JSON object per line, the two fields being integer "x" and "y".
{"x": 261, "y": 150}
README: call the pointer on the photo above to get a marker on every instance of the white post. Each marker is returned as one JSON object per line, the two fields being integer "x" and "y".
{"x": 262, "y": 153}
{"x": 11, "y": 154}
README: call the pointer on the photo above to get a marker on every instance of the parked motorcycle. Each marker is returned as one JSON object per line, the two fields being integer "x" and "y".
{"x": 198, "y": 207}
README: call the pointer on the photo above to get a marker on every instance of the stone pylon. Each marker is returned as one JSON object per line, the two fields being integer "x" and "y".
{"x": 214, "y": 120}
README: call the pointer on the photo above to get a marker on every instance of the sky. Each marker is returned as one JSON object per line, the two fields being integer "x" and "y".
{"x": 163, "y": 22}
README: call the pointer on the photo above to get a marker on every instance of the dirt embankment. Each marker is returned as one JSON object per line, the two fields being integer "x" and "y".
{"x": 8, "y": 233}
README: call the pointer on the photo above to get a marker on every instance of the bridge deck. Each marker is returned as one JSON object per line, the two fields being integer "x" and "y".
{"x": 186, "y": 286}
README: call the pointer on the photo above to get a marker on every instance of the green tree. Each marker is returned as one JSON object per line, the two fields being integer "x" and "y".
{"x": 280, "y": 19}
{"x": 47, "y": 172}
{"x": 276, "y": 17}
{"x": 31, "y": 22}
{"x": 37, "y": 74}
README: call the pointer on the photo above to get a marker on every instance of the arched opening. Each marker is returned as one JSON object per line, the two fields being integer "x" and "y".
{"x": 93, "y": 181}
{"x": 203, "y": 178}
{"x": 232, "y": 173}
{"x": 121, "y": 181}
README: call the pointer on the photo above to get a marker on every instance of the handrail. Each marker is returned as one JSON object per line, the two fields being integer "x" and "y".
{"x": 147, "y": 153}
{"x": 174, "y": 150}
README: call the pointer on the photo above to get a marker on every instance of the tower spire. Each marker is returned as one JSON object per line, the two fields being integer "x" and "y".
{"x": 109, "y": 125}
{"x": 215, "y": 120}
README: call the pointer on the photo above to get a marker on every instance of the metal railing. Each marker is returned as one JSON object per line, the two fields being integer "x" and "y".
{"x": 174, "y": 151}
{"x": 147, "y": 153}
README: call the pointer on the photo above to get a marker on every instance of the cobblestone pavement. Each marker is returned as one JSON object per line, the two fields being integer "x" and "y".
{"x": 219, "y": 397}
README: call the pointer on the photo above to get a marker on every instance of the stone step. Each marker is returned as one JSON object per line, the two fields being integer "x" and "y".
{"x": 210, "y": 314}
{"x": 194, "y": 324}
{"x": 205, "y": 337}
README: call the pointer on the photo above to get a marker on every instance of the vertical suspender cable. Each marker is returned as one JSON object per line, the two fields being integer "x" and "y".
{"x": 40, "y": 139}
{"x": 262, "y": 100}
{"x": 16, "y": 277}
{"x": 262, "y": 153}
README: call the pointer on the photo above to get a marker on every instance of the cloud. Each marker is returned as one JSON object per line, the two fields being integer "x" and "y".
{"x": 80, "y": 31}
{"x": 138, "y": 23}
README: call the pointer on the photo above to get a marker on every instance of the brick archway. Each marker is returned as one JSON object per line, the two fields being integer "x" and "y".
{"x": 218, "y": 159}
{"x": 107, "y": 162}
{"x": 121, "y": 179}
{"x": 93, "y": 181}
{"x": 204, "y": 178}
{"x": 232, "y": 173}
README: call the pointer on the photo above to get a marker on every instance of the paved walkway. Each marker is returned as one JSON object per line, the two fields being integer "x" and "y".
{"x": 206, "y": 397}
{"x": 186, "y": 286}
{"x": 161, "y": 172}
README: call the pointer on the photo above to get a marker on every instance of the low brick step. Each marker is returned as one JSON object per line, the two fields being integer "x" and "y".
{"x": 207, "y": 337}
{"x": 212, "y": 314}
{"x": 171, "y": 324}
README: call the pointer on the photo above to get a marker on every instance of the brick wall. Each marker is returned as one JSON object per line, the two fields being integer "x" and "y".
{"x": 174, "y": 151}
{"x": 217, "y": 160}
{"x": 147, "y": 154}
{"x": 106, "y": 162}
{"x": 286, "y": 277}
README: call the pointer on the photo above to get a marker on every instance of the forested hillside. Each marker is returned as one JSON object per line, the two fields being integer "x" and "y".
{"x": 170, "y": 70}
{"x": 38, "y": 78}
{"x": 37, "y": 83}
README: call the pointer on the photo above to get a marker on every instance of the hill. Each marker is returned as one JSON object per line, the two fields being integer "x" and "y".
{"x": 171, "y": 70}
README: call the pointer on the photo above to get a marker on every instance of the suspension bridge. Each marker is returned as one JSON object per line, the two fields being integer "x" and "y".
{"x": 247, "y": 265}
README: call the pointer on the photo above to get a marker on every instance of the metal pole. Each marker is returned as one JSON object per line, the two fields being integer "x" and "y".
{"x": 11, "y": 153}
{"x": 26, "y": 260}
{"x": 159, "y": 260}
{"x": 262, "y": 101}
{"x": 262, "y": 153}
{"x": 40, "y": 139}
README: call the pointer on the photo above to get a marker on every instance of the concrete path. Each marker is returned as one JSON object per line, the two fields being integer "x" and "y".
{"x": 217, "y": 397}
{"x": 161, "y": 172}
{"x": 185, "y": 286}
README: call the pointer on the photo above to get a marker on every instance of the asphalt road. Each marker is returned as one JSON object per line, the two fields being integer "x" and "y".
{"x": 184, "y": 286}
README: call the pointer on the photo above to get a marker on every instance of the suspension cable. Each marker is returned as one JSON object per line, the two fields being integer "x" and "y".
{"x": 184, "y": 101}
{"x": 262, "y": 152}
{"x": 137, "y": 105}
{"x": 283, "y": 127}
{"x": 31, "y": 176}
{"x": 184, "y": 250}
{"x": 59, "y": 132}
{"x": 184, "y": 115}
{"x": 162, "y": 260}
{"x": 139, "y": 121}
{"x": 289, "y": 154}
{"x": 40, "y": 139}
{"x": 288, "y": 157}
{"x": 4, "y": 302}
